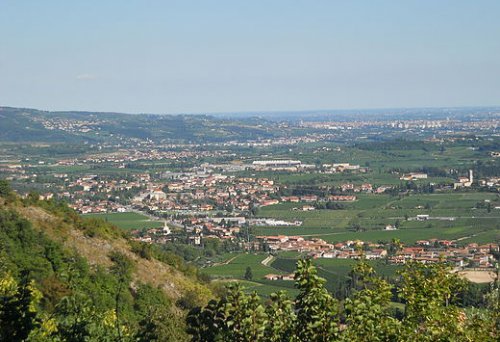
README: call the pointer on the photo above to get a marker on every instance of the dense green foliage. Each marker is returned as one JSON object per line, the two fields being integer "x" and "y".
{"x": 50, "y": 293}
{"x": 430, "y": 314}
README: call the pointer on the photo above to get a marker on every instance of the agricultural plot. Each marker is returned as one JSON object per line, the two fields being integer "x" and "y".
{"x": 234, "y": 270}
{"x": 452, "y": 216}
{"x": 235, "y": 267}
{"x": 335, "y": 271}
{"x": 128, "y": 221}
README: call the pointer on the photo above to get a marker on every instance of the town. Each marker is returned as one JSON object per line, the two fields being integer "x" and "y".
{"x": 304, "y": 192}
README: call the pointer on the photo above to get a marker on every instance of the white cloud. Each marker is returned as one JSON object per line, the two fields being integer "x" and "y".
{"x": 86, "y": 77}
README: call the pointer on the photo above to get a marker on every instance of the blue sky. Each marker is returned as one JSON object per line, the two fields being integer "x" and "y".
{"x": 233, "y": 56}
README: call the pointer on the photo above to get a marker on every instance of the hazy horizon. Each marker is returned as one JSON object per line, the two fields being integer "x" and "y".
{"x": 223, "y": 57}
{"x": 293, "y": 113}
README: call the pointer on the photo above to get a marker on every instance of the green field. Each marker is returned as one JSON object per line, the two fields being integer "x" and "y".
{"x": 128, "y": 221}
{"x": 373, "y": 212}
{"x": 335, "y": 271}
{"x": 234, "y": 270}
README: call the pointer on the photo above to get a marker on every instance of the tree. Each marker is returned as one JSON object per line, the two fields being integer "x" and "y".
{"x": 395, "y": 246}
{"x": 206, "y": 324}
{"x": 316, "y": 309}
{"x": 6, "y": 191}
{"x": 354, "y": 224}
{"x": 281, "y": 327}
{"x": 428, "y": 291}
{"x": 5, "y": 188}
{"x": 246, "y": 315}
{"x": 367, "y": 312}
{"x": 122, "y": 268}
{"x": 78, "y": 320}
{"x": 248, "y": 273}
{"x": 159, "y": 326}
{"x": 18, "y": 308}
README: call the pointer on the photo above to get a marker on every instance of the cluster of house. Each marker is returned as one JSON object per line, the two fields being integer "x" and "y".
{"x": 152, "y": 235}
{"x": 209, "y": 227}
{"x": 197, "y": 228}
{"x": 401, "y": 124}
{"x": 95, "y": 184}
{"x": 201, "y": 190}
{"x": 318, "y": 248}
{"x": 189, "y": 192}
{"x": 418, "y": 125}
{"x": 12, "y": 168}
{"x": 290, "y": 243}
{"x": 277, "y": 141}
{"x": 204, "y": 192}
{"x": 426, "y": 251}
{"x": 433, "y": 250}
{"x": 87, "y": 206}
{"x": 364, "y": 187}
{"x": 341, "y": 167}
{"x": 134, "y": 155}
{"x": 281, "y": 165}
{"x": 297, "y": 165}
{"x": 315, "y": 198}
{"x": 464, "y": 182}
{"x": 490, "y": 182}
{"x": 69, "y": 125}
{"x": 98, "y": 194}
{"x": 350, "y": 187}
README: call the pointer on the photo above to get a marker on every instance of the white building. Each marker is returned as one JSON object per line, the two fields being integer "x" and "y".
{"x": 277, "y": 163}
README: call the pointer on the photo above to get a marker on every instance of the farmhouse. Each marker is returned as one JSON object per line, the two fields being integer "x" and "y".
{"x": 464, "y": 182}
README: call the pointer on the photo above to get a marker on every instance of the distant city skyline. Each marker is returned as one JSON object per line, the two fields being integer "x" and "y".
{"x": 260, "y": 56}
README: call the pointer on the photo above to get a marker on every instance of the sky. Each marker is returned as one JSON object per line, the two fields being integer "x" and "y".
{"x": 235, "y": 56}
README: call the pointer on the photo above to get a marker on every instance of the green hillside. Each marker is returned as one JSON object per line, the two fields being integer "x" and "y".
{"x": 31, "y": 125}
{"x": 64, "y": 278}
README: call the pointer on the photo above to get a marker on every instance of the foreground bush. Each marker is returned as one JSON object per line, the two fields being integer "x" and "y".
{"x": 430, "y": 313}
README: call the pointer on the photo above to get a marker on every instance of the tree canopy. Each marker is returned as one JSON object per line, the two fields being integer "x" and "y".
{"x": 427, "y": 291}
